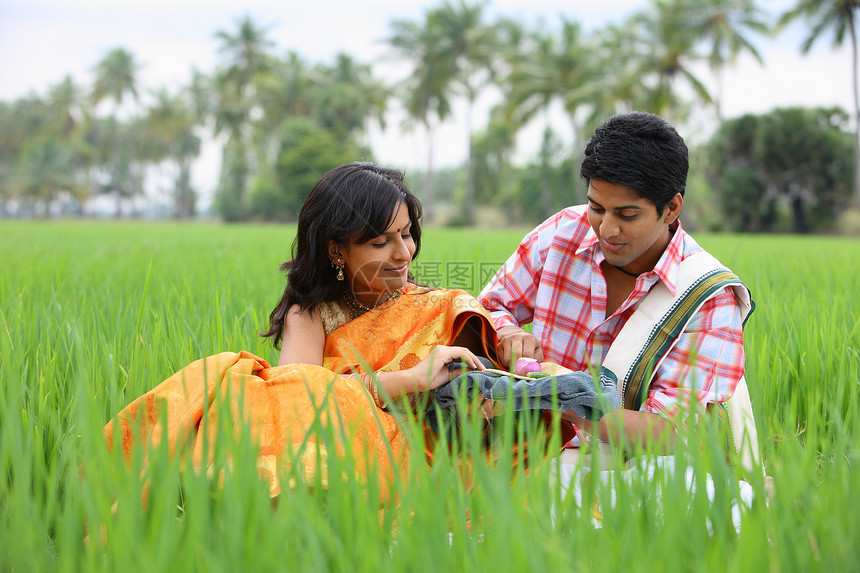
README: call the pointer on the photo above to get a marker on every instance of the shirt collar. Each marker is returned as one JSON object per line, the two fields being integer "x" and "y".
{"x": 669, "y": 264}
{"x": 590, "y": 239}
{"x": 666, "y": 268}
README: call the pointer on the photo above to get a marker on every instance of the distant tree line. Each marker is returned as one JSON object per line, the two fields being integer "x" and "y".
{"x": 281, "y": 121}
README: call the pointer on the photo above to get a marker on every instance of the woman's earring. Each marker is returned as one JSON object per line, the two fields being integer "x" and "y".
{"x": 338, "y": 264}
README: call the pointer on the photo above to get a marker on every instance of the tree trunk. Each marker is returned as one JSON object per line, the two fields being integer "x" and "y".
{"x": 718, "y": 100}
{"x": 546, "y": 206}
{"x": 575, "y": 146}
{"x": 768, "y": 218}
{"x": 469, "y": 195}
{"x": 430, "y": 200}
{"x": 184, "y": 195}
{"x": 546, "y": 168}
{"x": 799, "y": 213}
{"x": 856, "y": 111}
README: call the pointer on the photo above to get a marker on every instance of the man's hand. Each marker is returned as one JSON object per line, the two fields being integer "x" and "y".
{"x": 514, "y": 342}
{"x": 631, "y": 430}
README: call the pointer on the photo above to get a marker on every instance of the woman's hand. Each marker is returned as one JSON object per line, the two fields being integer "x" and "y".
{"x": 433, "y": 371}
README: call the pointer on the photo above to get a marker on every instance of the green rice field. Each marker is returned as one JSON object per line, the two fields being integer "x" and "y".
{"x": 94, "y": 314}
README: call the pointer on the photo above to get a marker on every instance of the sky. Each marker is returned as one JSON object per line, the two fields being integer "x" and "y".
{"x": 44, "y": 40}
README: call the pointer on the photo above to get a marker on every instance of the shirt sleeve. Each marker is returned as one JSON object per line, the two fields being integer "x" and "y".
{"x": 510, "y": 295}
{"x": 705, "y": 364}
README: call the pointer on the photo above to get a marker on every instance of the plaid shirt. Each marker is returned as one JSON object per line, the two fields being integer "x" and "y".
{"x": 554, "y": 281}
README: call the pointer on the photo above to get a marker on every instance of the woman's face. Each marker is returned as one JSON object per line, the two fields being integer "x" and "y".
{"x": 376, "y": 268}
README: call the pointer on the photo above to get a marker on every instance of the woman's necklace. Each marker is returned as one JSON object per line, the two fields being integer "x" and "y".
{"x": 356, "y": 309}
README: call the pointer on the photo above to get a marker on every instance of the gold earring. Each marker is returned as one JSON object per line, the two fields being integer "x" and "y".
{"x": 338, "y": 264}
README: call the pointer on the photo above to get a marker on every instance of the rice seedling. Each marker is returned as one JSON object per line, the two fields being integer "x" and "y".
{"x": 93, "y": 315}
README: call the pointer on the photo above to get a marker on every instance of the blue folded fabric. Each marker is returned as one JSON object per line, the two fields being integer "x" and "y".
{"x": 576, "y": 391}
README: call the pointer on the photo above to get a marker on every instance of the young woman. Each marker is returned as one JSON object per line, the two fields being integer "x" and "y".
{"x": 358, "y": 233}
{"x": 355, "y": 335}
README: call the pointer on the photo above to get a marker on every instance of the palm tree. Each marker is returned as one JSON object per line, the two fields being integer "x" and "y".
{"x": 839, "y": 16}
{"x": 664, "y": 54}
{"x": 66, "y": 105}
{"x": 5, "y": 188}
{"x": 552, "y": 68}
{"x": 284, "y": 90}
{"x": 618, "y": 86}
{"x": 116, "y": 79}
{"x": 493, "y": 148}
{"x": 426, "y": 100}
{"x": 245, "y": 55}
{"x": 47, "y": 168}
{"x": 232, "y": 117}
{"x": 170, "y": 128}
{"x": 724, "y": 25}
{"x": 69, "y": 115}
{"x": 21, "y": 122}
{"x": 120, "y": 153}
{"x": 201, "y": 94}
{"x": 348, "y": 97}
{"x": 472, "y": 46}
{"x": 341, "y": 98}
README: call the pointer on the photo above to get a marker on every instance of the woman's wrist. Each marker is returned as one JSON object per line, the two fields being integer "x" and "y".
{"x": 385, "y": 386}
{"x": 395, "y": 384}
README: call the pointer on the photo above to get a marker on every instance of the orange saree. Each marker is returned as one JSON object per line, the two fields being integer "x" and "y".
{"x": 283, "y": 405}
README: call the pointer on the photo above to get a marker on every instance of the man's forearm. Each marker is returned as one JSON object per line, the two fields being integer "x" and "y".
{"x": 631, "y": 430}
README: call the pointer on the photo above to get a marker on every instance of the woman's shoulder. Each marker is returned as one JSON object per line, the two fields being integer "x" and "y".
{"x": 453, "y": 298}
{"x": 298, "y": 316}
{"x": 303, "y": 336}
{"x": 418, "y": 290}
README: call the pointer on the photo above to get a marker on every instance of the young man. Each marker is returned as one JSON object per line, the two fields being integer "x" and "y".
{"x": 580, "y": 276}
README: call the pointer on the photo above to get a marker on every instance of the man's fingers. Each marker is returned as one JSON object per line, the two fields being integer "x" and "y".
{"x": 530, "y": 347}
{"x": 533, "y": 350}
{"x": 515, "y": 350}
{"x": 502, "y": 353}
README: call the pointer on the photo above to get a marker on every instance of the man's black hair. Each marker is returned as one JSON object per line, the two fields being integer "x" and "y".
{"x": 641, "y": 151}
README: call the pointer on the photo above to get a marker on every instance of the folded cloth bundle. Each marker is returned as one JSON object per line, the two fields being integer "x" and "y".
{"x": 576, "y": 391}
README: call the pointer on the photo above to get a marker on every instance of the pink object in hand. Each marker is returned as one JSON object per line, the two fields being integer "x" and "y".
{"x": 525, "y": 365}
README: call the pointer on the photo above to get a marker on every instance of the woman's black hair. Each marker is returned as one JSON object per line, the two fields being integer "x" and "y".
{"x": 351, "y": 203}
{"x": 641, "y": 151}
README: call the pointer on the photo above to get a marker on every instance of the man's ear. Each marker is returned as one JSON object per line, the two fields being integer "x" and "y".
{"x": 673, "y": 209}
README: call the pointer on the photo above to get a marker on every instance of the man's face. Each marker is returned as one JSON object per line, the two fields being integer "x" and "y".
{"x": 632, "y": 234}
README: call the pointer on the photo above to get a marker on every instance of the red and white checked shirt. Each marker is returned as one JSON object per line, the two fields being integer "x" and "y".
{"x": 554, "y": 281}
